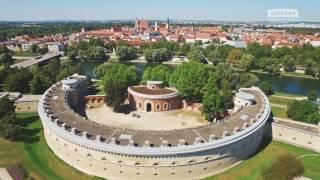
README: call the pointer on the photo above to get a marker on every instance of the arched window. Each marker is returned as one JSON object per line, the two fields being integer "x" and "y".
{"x": 172, "y": 105}
{"x": 165, "y": 106}
{"x": 158, "y": 107}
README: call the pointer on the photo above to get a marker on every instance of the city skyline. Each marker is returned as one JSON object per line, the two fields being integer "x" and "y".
{"x": 246, "y": 10}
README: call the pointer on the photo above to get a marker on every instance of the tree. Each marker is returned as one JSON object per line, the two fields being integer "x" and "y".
{"x": 234, "y": 57}
{"x": 270, "y": 65}
{"x": 96, "y": 42}
{"x": 5, "y": 70}
{"x": 8, "y": 122}
{"x": 101, "y": 70}
{"x": 18, "y": 82}
{"x": 246, "y": 62}
{"x": 39, "y": 84}
{"x": 288, "y": 63}
{"x": 304, "y": 111}
{"x": 116, "y": 81}
{"x": 34, "y": 48}
{"x": 157, "y": 55}
{"x": 5, "y": 58}
{"x": 311, "y": 68}
{"x": 184, "y": 49}
{"x": 157, "y": 73}
{"x": 226, "y": 94}
{"x": 313, "y": 95}
{"x": 223, "y": 71}
{"x": 97, "y": 53}
{"x": 266, "y": 88}
{"x": 286, "y": 167}
{"x": 126, "y": 53}
{"x": 9, "y": 127}
{"x": 197, "y": 54}
{"x": 72, "y": 55}
{"x": 189, "y": 78}
{"x": 259, "y": 51}
{"x": 248, "y": 80}
{"x": 212, "y": 101}
{"x": 6, "y": 106}
{"x": 281, "y": 52}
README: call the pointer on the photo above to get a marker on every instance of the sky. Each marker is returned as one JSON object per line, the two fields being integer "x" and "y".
{"x": 228, "y": 10}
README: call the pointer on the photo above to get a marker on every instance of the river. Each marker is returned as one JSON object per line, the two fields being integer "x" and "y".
{"x": 284, "y": 84}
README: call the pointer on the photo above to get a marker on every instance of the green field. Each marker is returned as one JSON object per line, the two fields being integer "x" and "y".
{"x": 39, "y": 161}
{"x": 287, "y": 94}
{"x": 34, "y": 154}
{"x": 251, "y": 169}
{"x": 279, "y": 112}
{"x": 280, "y": 101}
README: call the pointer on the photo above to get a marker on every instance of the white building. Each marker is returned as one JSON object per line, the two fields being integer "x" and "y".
{"x": 56, "y": 47}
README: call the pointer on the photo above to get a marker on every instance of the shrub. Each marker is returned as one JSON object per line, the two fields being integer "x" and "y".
{"x": 312, "y": 96}
{"x": 286, "y": 167}
{"x": 266, "y": 88}
{"x": 304, "y": 110}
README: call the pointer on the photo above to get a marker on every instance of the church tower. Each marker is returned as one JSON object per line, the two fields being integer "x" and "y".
{"x": 168, "y": 25}
{"x": 136, "y": 24}
{"x": 156, "y": 28}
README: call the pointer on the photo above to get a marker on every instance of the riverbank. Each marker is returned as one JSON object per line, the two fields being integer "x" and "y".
{"x": 287, "y": 74}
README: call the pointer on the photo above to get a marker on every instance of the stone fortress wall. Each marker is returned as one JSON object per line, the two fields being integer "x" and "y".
{"x": 295, "y": 135}
{"x": 112, "y": 161}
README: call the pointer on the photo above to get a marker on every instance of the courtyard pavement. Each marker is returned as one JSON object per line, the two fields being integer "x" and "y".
{"x": 156, "y": 121}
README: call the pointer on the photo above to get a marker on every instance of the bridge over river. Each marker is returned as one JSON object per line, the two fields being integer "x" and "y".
{"x": 36, "y": 61}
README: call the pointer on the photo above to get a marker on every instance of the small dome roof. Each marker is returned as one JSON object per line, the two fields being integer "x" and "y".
{"x": 69, "y": 81}
{"x": 245, "y": 96}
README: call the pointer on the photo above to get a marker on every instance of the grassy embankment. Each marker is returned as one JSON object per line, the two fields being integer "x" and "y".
{"x": 33, "y": 153}
{"x": 252, "y": 169}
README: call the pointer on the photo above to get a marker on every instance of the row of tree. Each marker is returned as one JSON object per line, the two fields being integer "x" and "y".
{"x": 5, "y": 55}
{"x": 36, "y": 80}
{"x": 256, "y": 56}
{"x": 93, "y": 50}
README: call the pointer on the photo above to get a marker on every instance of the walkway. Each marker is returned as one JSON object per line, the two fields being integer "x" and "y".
{"x": 307, "y": 155}
{"x": 4, "y": 175}
{"x": 279, "y": 106}
{"x": 287, "y": 97}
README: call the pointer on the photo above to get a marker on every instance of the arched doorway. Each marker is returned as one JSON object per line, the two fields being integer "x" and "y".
{"x": 149, "y": 107}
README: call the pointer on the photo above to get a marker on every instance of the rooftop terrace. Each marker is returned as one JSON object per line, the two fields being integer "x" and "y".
{"x": 56, "y": 105}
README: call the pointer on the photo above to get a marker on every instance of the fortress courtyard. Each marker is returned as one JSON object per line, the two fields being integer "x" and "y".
{"x": 153, "y": 121}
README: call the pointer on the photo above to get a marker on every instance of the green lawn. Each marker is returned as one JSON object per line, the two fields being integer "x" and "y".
{"x": 287, "y": 94}
{"x": 34, "y": 154}
{"x": 41, "y": 163}
{"x": 251, "y": 169}
{"x": 279, "y": 112}
{"x": 280, "y": 101}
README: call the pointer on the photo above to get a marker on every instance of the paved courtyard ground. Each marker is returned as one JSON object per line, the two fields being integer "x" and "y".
{"x": 155, "y": 121}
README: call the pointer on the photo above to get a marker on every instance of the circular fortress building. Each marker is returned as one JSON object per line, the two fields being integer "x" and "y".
{"x": 119, "y": 153}
{"x": 154, "y": 97}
